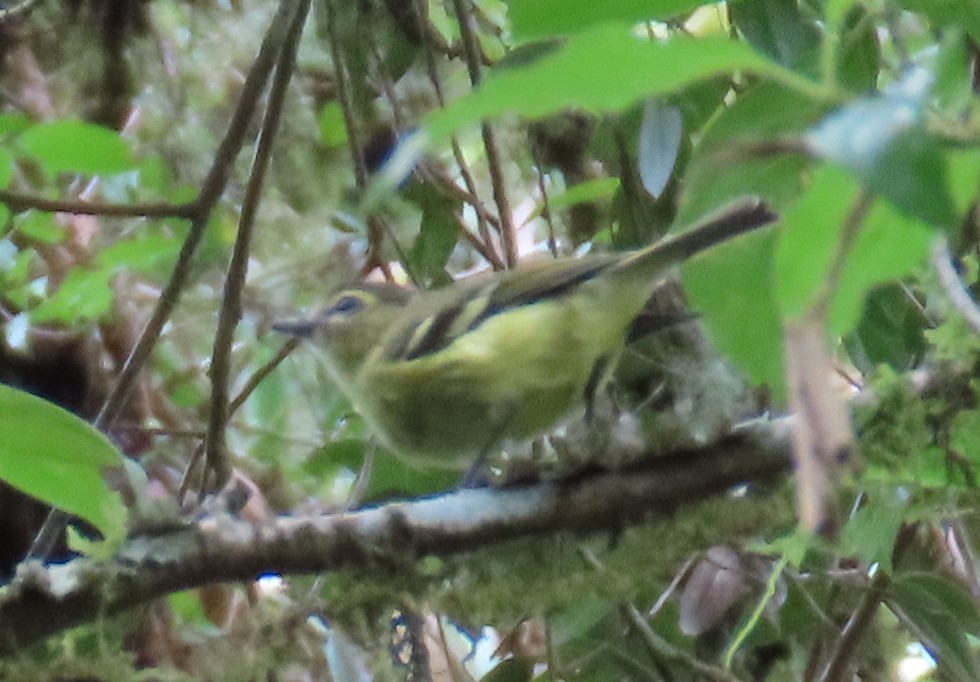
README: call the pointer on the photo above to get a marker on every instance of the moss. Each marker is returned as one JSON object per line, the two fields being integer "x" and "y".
{"x": 538, "y": 575}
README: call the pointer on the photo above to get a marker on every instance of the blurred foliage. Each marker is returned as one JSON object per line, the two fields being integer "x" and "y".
{"x": 616, "y": 122}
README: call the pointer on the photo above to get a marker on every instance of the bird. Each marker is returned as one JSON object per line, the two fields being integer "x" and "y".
{"x": 444, "y": 376}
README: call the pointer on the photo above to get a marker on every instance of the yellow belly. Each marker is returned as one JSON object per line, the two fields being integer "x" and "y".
{"x": 514, "y": 378}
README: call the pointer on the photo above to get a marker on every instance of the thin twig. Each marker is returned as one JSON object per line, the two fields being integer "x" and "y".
{"x": 682, "y": 573}
{"x": 483, "y": 245}
{"x": 846, "y": 647}
{"x": 18, "y": 201}
{"x": 545, "y": 205}
{"x": 376, "y": 227}
{"x": 482, "y": 217}
{"x": 346, "y": 101}
{"x": 239, "y": 400}
{"x": 231, "y": 301}
{"x": 262, "y": 372}
{"x": 659, "y": 646}
{"x": 449, "y": 186}
{"x": 852, "y": 226}
{"x": 481, "y": 248}
{"x": 959, "y": 543}
{"x": 508, "y": 237}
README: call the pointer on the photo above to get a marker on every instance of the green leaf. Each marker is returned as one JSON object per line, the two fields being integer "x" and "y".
{"x": 438, "y": 234}
{"x": 965, "y": 434}
{"x": 604, "y": 69}
{"x": 6, "y": 168}
{"x": 883, "y": 142}
{"x": 778, "y": 29}
{"x": 731, "y": 286}
{"x": 891, "y": 330}
{"x": 393, "y": 475}
{"x": 85, "y": 295}
{"x": 598, "y": 189}
{"x": 888, "y": 246}
{"x": 953, "y": 89}
{"x": 389, "y": 475}
{"x": 578, "y": 618}
{"x": 76, "y": 147}
{"x": 809, "y": 239}
{"x": 721, "y": 169}
{"x": 870, "y": 533}
{"x": 140, "y": 253}
{"x": 858, "y": 52}
{"x": 963, "y": 14}
{"x": 940, "y": 614}
{"x": 333, "y": 130}
{"x": 14, "y": 123}
{"x": 52, "y": 455}
{"x": 964, "y": 178}
{"x": 155, "y": 177}
{"x": 39, "y": 226}
{"x": 532, "y": 19}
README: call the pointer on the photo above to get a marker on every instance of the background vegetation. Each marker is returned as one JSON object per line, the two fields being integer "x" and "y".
{"x": 425, "y": 140}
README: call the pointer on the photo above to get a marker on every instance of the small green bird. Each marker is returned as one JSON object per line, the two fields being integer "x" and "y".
{"x": 443, "y": 375}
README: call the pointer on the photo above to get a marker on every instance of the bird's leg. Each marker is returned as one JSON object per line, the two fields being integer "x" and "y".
{"x": 476, "y": 476}
{"x": 596, "y": 379}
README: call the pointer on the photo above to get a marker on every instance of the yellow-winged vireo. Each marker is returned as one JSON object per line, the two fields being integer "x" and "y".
{"x": 443, "y": 375}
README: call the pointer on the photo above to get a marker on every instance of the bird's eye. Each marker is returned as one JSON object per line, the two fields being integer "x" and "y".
{"x": 347, "y": 304}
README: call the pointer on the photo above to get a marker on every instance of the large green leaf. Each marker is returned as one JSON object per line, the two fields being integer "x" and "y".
{"x": 723, "y": 167}
{"x": 779, "y": 29}
{"x": 888, "y": 246}
{"x": 437, "y": 236}
{"x": 858, "y": 52}
{"x": 870, "y": 532}
{"x": 86, "y": 293}
{"x": 809, "y": 238}
{"x": 890, "y": 331}
{"x": 40, "y": 227}
{"x": 604, "y": 69}
{"x": 882, "y": 140}
{"x": 52, "y": 455}
{"x": 731, "y": 286}
{"x": 531, "y": 19}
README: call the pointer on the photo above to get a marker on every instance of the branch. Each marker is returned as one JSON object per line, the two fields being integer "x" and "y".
{"x": 857, "y": 626}
{"x": 231, "y": 299}
{"x": 18, "y": 201}
{"x": 42, "y": 601}
{"x": 211, "y": 191}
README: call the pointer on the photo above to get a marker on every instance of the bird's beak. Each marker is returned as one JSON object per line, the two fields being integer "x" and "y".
{"x": 301, "y": 328}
